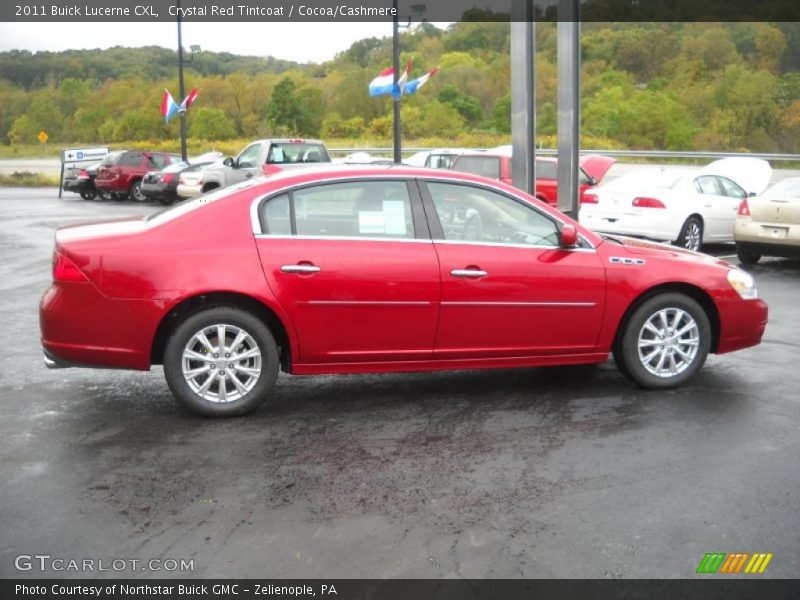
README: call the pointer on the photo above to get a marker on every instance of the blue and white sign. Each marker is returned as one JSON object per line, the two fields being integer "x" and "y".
{"x": 83, "y": 154}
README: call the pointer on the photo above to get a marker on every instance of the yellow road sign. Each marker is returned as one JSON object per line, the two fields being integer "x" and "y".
{"x": 42, "y": 136}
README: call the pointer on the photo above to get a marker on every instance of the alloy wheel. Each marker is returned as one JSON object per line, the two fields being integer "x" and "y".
{"x": 221, "y": 363}
{"x": 692, "y": 238}
{"x": 668, "y": 342}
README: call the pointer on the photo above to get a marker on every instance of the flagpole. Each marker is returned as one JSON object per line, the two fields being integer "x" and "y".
{"x": 396, "y": 67}
{"x": 181, "y": 91}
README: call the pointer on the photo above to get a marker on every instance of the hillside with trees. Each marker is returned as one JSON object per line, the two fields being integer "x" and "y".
{"x": 700, "y": 86}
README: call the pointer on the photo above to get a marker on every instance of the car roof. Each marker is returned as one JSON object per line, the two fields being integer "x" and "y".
{"x": 331, "y": 171}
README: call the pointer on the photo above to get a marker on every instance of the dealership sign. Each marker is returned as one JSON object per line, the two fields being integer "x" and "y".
{"x": 83, "y": 154}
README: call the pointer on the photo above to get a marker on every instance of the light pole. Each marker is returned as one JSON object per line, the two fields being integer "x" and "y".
{"x": 181, "y": 90}
{"x": 417, "y": 10}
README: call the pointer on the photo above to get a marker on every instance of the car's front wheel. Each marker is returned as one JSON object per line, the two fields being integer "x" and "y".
{"x": 665, "y": 341}
{"x": 221, "y": 362}
{"x": 747, "y": 256}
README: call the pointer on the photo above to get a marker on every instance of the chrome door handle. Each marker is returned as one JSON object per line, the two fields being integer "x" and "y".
{"x": 301, "y": 269}
{"x": 468, "y": 273}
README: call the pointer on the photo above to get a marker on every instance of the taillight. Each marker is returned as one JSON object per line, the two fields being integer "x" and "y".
{"x": 167, "y": 177}
{"x": 589, "y": 199}
{"x": 65, "y": 270}
{"x": 83, "y": 173}
{"x": 744, "y": 209}
{"x": 648, "y": 203}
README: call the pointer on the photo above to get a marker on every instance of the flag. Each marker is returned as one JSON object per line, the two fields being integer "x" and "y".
{"x": 414, "y": 85}
{"x": 189, "y": 100}
{"x": 384, "y": 83}
{"x": 168, "y": 106}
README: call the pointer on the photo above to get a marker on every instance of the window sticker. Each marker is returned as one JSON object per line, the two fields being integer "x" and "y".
{"x": 371, "y": 221}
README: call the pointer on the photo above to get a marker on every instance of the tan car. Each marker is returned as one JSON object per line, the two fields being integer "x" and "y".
{"x": 769, "y": 224}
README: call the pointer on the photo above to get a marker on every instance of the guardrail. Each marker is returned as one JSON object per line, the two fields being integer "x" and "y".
{"x": 668, "y": 154}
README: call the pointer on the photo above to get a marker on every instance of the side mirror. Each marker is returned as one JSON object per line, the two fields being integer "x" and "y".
{"x": 228, "y": 162}
{"x": 568, "y": 235}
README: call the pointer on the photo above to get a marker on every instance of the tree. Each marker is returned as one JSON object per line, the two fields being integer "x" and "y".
{"x": 211, "y": 124}
{"x": 285, "y": 112}
{"x": 466, "y": 105}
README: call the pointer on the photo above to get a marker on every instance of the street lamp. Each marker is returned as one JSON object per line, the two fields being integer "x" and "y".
{"x": 181, "y": 88}
{"x": 417, "y": 10}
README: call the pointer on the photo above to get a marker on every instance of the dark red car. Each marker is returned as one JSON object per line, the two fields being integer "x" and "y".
{"x": 372, "y": 269}
{"x": 121, "y": 172}
{"x": 497, "y": 165}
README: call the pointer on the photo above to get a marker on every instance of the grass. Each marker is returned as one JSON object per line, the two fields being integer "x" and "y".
{"x": 28, "y": 179}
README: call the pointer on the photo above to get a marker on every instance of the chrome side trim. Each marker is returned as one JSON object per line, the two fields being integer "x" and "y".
{"x": 367, "y": 302}
{"x": 523, "y": 304}
{"x": 626, "y": 260}
{"x": 256, "y": 222}
{"x": 341, "y": 238}
{"x": 505, "y": 245}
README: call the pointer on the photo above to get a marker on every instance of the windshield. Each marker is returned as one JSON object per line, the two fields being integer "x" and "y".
{"x": 300, "y": 152}
{"x": 178, "y": 210}
{"x": 788, "y": 188}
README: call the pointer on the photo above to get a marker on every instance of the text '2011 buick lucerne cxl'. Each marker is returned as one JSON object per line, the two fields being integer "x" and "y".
{"x": 374, "y": 269}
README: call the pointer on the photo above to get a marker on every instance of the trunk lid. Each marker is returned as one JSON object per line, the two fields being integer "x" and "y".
{"x": 597, "y": 166}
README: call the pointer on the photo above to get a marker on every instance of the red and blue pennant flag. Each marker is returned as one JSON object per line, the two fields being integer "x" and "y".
{"x": 168, "y": 106}
{"x": 413, "y": 85}
{"x": 384, "y": 83}
{"x": 189, "y": 100}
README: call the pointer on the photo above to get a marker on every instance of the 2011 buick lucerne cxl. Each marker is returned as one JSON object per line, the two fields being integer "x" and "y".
{"x": 374, "y": 269}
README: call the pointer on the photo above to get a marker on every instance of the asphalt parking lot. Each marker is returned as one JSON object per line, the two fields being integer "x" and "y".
{"x": 561, "y": 472}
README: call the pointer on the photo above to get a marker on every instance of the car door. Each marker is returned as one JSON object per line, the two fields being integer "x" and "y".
{"x": 716, "y": 209}
{"x": 352, "y": 264}
{"x": 247, "y": 164}
{"x": 734, "y": 194}
{"x": 508, "y": 289}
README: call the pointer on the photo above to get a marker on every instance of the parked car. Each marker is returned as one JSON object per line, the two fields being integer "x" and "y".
{"x": 163, "y": 185}
{"x": 440, "y": 158}
{"x": 496, "y": 164}
{"x": 688, "y": 209}
{"x": 769, "y": 224}
{"x": 121, "y": 172}
{"x": 252, "y": 160}
{"x": 190, "y": 181}
{"x": 80, "y": 179}
{"x": 373, "y": 269}
{"x": 363, "y": 158}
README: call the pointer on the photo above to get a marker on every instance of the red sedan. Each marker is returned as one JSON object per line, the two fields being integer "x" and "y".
{"x": 372, "y": 269}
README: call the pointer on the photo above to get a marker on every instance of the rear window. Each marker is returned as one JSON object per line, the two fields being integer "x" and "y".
{"x": 487, "y": 166}
{"x": 111, "y": 158}
{"x": 130, "y": 159}
{"x": 545, "y": 169}
{"x": 178, "y": 210}
{"x": 300, "y": 152}
{"x": 788, "y": 188}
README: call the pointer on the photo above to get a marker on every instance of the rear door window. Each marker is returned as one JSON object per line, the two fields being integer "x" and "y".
{"x": 131, "y": 159}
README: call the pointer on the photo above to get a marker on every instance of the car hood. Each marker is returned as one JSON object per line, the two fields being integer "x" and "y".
{"x": 596, "y": 165}
{"x": 753, "y": 174}
{"x": 645, "y": 248}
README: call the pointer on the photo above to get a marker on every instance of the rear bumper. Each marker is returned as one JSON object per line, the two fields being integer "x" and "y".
{"x": 82, "y": 327}
{"x": 652, "y": 226}
{"x": 774, "y": 239}
{"x": 742, "y": 324}
{"x": 189, "y": 191}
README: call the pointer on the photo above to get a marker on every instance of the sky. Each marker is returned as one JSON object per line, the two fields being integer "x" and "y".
{"x": 301, "y": 42}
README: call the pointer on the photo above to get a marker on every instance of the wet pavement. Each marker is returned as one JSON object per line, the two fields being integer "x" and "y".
{"x": 560, "y": 472}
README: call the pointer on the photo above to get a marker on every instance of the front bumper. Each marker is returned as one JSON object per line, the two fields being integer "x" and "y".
{"x": 742, "y": 323}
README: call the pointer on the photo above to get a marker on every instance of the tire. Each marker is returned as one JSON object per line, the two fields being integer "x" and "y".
{"x": 236, "y": 400}
{"x": 136, "y": 193}
{"x": 747, "y": 256}
{"x": 669, "y": 363}
{"x": 106, "y": 196}
{"x": 89, "y": 195}
{"x": 165, "y": 201}
{"x": 691, "y": 236}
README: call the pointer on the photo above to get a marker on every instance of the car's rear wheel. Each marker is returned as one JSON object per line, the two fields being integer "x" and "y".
{"x": 691, "y": 236}
{"x": 665, "y": 341}
{"x": 104, "y": 195}
{"x": 221, "y": 362}
{"x": 136, "y": 192}
{"x": 747, "y": 256}
{"x": 89, "y": 195}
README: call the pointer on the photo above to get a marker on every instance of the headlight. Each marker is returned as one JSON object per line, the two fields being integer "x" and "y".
{"x": 743, "y": 283}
